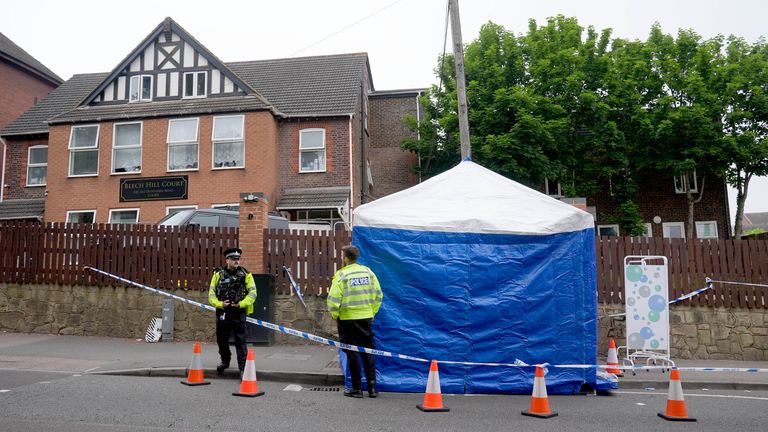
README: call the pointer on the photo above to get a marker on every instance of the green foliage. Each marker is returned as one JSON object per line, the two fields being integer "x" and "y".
{"x": 629, "y": 219}
{"x": 568, "y": 103}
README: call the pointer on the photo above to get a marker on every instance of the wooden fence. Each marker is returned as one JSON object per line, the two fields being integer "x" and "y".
{"x": 164, "y": 257}
{"x": 690, "y": 262}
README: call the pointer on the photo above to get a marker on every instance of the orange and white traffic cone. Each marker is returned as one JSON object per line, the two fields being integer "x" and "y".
{"x": 676, "y": 410}
{"x": 539, "y": 399}
{"x": 195, "y": 371}
{"x": 433, "y": 398}
{"x": 613, "y": 360}
{"x": 248, "y": 386}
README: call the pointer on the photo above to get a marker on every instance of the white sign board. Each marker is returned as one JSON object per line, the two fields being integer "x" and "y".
{"x": 647, "y": 303}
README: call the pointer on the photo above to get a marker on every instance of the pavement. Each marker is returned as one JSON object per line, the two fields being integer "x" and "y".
{"x": 313, "y": 364}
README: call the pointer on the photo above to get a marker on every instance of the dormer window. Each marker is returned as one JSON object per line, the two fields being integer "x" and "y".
{"x": 195, "y": 84}
{"x": 141, "y": 88}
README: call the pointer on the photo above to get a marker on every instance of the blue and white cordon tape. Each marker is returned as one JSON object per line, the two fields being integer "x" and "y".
{"x": 322, "y": 340}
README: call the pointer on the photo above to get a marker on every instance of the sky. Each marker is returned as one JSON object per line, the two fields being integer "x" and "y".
{"x": 403, "y": 38}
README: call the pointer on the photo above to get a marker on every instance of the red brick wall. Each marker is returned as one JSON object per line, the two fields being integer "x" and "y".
{"x": 657, "y": 197}
{"x": 336, "y": 154}
{"x": 16, "y": 155}
{"x": 206, "y": 186}
{"x": 390, "y": 164}
{"x": 18, "y": 90}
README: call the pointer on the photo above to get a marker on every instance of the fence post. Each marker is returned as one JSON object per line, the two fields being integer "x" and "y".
{"x": 253, "y": 222}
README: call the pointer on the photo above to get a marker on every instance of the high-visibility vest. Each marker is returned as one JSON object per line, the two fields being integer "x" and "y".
{"x": 240, "y": 277}
{"x": 355, "y": 293}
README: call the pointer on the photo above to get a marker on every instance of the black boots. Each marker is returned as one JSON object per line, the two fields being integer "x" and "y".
{"x": 353, "y": 393}
{"x": 220, "y": 368}
{"x": 372, "y": 392}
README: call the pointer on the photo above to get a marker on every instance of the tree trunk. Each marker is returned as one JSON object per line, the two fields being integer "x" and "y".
{"x": 741, "y": 197}
{"x": 691, "y": 205}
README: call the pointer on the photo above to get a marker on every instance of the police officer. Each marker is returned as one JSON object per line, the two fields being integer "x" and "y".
{"x": 353, "y": 301}
{"x": 232, "y": 293}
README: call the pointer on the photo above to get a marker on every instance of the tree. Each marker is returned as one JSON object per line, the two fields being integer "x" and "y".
{"x": 745, "y": 121}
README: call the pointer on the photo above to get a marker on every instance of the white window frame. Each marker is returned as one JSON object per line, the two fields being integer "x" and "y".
{"x": 614, "y": 226}
{"x": 648, "y": 230}
{"x": 220, "y": 206}
{"x": 37, "y": 165}
{"x": 699, "y": 229}
{"x": 71, "y": 212}
{"x": 116, "y": 210}
{"x": 214, "y": 141}
{"x": 196, "y": 142}
{"x": 666, "y": 225}
{"x": 681, "y": 183}
{"x": 115, "y": 148}
{"x": 195, "y": 76}
{"x": 322, "y": 149}
{"x": 140, "y": 79}
{"x": 179, "y": 208}
{"x": 83, "y": 149}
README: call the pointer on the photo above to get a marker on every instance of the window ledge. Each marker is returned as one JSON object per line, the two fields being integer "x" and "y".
{"x": 312, "y": 172}
{"x": 226, "y": 168}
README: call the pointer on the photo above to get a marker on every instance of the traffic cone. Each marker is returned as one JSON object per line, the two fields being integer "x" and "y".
{"x": 248, "y": 386}
{"x": 613, "y": 360}
{"x": 195, "y": 371}
{"x": 676, "y": 410}
{"x": 539, "y": 400}
{"x": 433, "y": 399}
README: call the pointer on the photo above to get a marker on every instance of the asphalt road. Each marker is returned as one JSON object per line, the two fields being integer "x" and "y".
{"x": 96, "y": 403}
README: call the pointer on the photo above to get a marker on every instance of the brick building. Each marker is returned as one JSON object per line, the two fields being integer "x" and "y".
{"x": 23, "y": 82}
{"x": 174, "y": 127}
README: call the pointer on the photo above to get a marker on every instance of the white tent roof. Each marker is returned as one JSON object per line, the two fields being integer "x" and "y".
{"x": 471, "y": 199}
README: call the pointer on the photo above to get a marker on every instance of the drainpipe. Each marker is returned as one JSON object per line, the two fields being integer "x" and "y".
{"x": 363, "y": 167}
{"x": 2, "y": 176}
{"x": 351, "y": 179}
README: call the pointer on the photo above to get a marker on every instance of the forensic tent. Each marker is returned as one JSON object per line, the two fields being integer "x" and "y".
{"x": 475, "y": 267}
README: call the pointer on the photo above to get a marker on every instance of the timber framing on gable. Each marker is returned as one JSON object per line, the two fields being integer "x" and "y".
{"x": 169, "y": 64}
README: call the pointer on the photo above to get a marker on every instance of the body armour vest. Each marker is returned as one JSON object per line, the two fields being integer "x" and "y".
{"x": 232, "y": 286}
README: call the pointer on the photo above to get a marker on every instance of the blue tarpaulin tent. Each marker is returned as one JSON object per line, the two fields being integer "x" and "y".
{"x": 478, "y": 268}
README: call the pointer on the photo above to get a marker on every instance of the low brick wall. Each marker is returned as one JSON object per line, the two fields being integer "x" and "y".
{"x": 126, "y": 312}
{"x": 700, "y": 332}
{"x": 696, "y": 332}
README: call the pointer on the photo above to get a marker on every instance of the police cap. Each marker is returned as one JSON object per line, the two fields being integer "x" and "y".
{"x": 233, "y": 253}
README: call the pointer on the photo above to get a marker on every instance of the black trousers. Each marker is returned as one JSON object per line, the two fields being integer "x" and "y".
{"x": 233, "y": 324}
{"x": 358, "y": 332}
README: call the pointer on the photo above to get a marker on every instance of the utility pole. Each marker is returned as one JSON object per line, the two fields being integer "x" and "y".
{"x": 461, "y": 86}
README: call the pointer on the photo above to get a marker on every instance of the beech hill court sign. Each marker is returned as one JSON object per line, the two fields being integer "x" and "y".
{"x": 154, "y": 188}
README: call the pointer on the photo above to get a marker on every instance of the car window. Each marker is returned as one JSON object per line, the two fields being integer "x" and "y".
{"x": 205, "y": 220}
{"x": 230, "y": 221}
{"x": 174, "y": 218}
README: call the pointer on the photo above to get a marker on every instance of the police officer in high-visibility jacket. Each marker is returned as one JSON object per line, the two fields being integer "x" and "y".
{"x": 353, "y": 301}
{"x": 232, "y": 293}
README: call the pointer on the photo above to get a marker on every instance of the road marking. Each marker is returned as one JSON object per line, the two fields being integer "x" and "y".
{"x": 91, "y": 369}
{"x": 4, "y": 391}
{"x": 697, "y": 395}
{"x": 640, "y": 403}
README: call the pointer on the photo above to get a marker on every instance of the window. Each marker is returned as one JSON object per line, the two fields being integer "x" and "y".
{"x": 673, "y": 229}
{"x": 608, "y": 230}
{"x": 648, "y": 230}
{"x": 552, "y": 188}
{"x": 233, "y": 207}
{"x": 194, "y": 84}
{"x": 141, "y": 88}
{"x": 124, "y": 216}
{"x": 84, "y": 150}
{"x": 228, "y": 143}
{"x": 183, "y": 144}
{"x": 175, "y": 209}
{"x": 706, "y": 230}
{"x": 81, "y": 216}
{"x": 685, "y": 182}
{"x": 204, "y": 220}
{"x": 126, "y": 148}
{"x": 37, "y": 165}
{"x": 312, "y": 150}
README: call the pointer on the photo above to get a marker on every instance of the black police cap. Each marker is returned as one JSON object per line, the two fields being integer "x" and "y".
{"x": 233, "y": 253}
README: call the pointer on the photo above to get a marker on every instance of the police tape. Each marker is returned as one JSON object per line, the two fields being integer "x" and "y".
{"x": 337, "y": 344}
{"x": 677, "y": 300}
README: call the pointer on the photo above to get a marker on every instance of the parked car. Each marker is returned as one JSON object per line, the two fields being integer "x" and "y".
{"x": 216, "y": 218}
